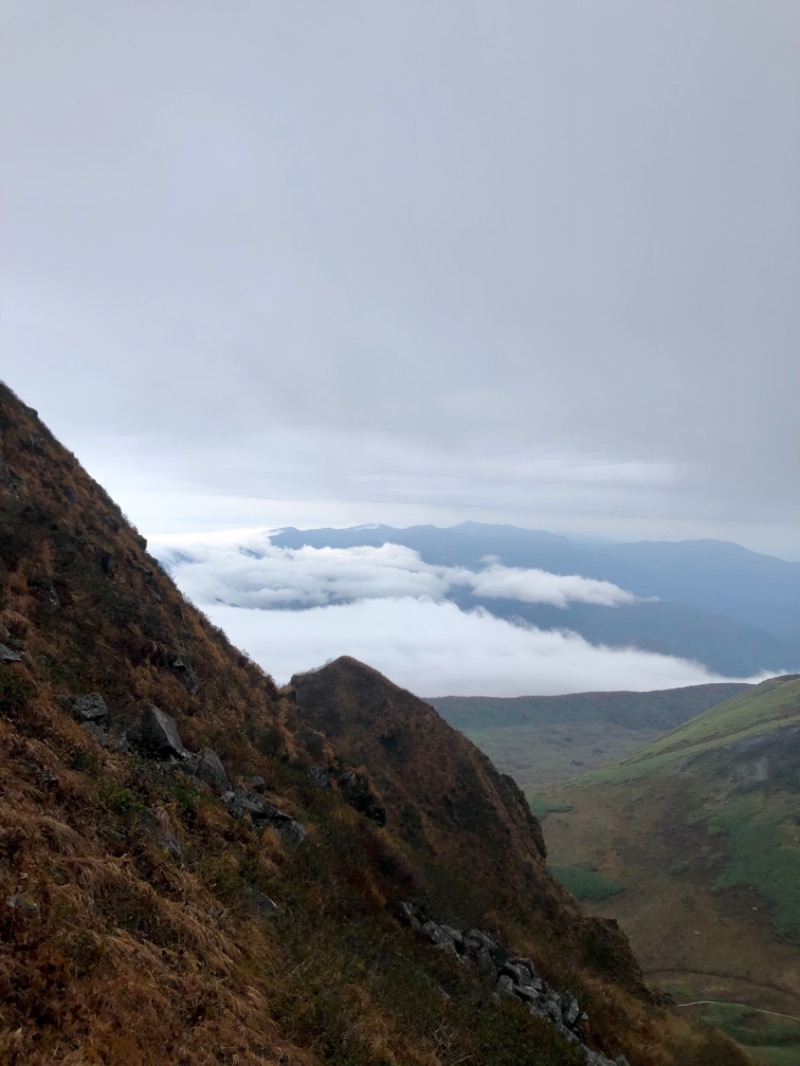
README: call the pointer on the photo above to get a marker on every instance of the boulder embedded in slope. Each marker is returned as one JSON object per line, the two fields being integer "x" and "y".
{"x": 159, "y": 734}
{"x": 89, "y": 708}
{"x": 208, "y": 768}
{"x": 9, "y": 656}
{"x": 243, "y": 802}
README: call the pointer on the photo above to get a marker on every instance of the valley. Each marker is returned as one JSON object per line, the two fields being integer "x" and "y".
{"x": 698, "y": 834}
{"x": 541, "y": 740}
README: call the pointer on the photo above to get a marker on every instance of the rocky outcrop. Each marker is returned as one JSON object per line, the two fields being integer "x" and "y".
{"x": 511, "y": 978}
{"x": 8, "y": 656}
{"x": 242, "y": 802}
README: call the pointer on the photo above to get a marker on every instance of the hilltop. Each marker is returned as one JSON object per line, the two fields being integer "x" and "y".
{"x": 541, "y": 740}
{"x": 200, "y": 868}
{"x": 695, "y": 839}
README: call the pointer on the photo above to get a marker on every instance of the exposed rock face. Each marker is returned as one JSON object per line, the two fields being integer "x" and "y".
{"x": 160, "y": 734}
{"x": 513, "y": 978}
{"x": 8, "y": 656}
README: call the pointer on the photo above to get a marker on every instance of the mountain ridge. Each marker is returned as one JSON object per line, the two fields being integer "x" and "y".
{"x": 150, "y": 913}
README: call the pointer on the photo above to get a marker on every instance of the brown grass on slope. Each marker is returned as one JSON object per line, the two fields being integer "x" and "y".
{"x": 130, "y": 929}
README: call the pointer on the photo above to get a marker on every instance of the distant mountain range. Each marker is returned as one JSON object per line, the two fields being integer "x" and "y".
{"x": 734, "y": 610}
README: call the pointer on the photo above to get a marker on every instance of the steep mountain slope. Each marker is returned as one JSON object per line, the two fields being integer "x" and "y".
{"x": 191, "y": 872}
{"x": 732, "y": 609}
{"x": 444, "y": 797}
{"x": 700, "y": 828}
{"x": 540, "y": 740}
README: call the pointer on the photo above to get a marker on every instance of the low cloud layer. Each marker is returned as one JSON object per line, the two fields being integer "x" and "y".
{"x": 244, "y": 569}
{"x": 435, "y": 649}
{"x": 390, "y": 609}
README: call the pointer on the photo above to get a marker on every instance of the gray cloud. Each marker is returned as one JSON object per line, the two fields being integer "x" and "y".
{"x": 518, "y": 261}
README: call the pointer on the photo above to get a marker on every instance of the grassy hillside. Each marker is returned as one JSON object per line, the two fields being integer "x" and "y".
{"x": 772, "y": 705}
{"x": 541, "y": 740}
{"x": 150, "y": 914}
{"x": 700, "y": 831}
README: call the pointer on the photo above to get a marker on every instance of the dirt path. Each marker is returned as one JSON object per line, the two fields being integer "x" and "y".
{"x": 739, "y": 988}
{"x": 733, "y": 1003}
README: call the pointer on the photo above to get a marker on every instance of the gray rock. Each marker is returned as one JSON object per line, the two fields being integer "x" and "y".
{"x": 89, "y": 708}
{"x": 455, "y": 936}
{"x": 527, "y": 993}
{"x": 594, "y": 1058}
{"x": 471, "y": 947}
{"x": 209, "y": 769}
{"x": 485, "y": 963}
{"x": 571, "y": 1012}
{"x": 552, "y": 1007}
{"x": 405, "y": 914}
{"x": 527, "y": 964}
{"x": 184, "y": 669}
{"x": 242, "y": 802}
{"x": 160, "y": 734}
{"x": 9, "y": 656}
{"x": 520, "y": 975}
{"x": 437, "y": 935}
{"x": 257, "y": 783}
{"x": 447, "y": 946}
{"x": 288, "y": 829}
{"x": 504, "y": 987}
{"x": 477, "y": 935}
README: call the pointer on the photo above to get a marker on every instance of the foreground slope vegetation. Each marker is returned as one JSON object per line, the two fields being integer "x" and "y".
{"x": 700, "y": 830}
{"x": 198, "y": 868}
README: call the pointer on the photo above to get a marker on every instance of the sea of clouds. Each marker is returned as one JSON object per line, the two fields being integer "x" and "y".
{"x": 294, "y": 609}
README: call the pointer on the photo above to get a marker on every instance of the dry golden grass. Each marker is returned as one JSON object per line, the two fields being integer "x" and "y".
{"x": 114, "y": 951}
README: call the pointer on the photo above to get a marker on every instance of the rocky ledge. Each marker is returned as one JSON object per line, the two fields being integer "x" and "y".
{"x": 511, "y": 977}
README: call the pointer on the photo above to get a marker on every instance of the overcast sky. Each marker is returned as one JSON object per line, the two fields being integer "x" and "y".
{"x": 333, "y": 262}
